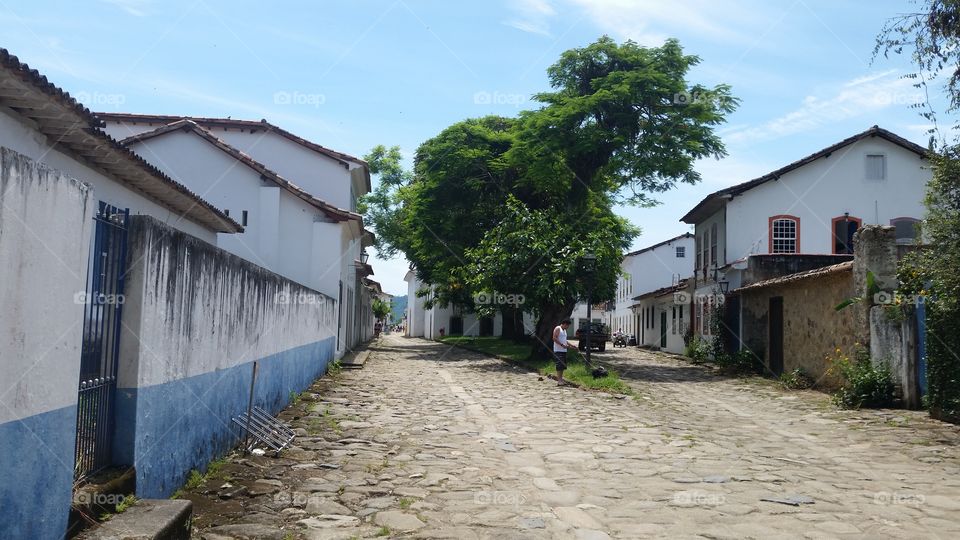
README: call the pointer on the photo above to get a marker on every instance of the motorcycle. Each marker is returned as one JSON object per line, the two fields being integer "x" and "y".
{"x": 620, "y": 340}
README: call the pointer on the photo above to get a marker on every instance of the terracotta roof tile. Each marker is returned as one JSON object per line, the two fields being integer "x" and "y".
{"x": 72, "y": 127}
{"x": 331, "y": 211}
{"x": 208, "y": 122}
{"x": 809, "y": 274}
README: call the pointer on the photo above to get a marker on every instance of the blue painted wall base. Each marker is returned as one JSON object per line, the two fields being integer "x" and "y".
{"x": 167, "y": 430}
{"x": 36, "y": 474}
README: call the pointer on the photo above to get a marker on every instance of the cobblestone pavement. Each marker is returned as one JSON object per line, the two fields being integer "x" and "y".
{"x": 433, "y": 442}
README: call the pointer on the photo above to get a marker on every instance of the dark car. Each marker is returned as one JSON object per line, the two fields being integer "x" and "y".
{"x": 599, "y": 336}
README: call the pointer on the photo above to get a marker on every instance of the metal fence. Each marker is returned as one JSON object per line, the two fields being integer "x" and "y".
{"x": 103, "y": 306}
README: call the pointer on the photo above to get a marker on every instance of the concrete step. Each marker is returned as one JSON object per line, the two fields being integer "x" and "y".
{"x": 354, "y": 361}
{"x": 149, "y": 519}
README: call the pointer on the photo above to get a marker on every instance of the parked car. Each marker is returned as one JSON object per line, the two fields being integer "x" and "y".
{"x": 599, "y": 336}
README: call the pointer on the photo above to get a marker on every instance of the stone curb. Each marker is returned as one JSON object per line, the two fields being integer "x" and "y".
{"x": 148, "y": 519}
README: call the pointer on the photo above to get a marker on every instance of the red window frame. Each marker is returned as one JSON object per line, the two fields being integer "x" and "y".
{"x": 770, "y": 222}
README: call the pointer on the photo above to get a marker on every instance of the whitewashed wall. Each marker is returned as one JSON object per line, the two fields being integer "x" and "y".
{"x": 283, "y": 233}
{"x": 825, "y": 189}
{"x": 195, "y": 320}
{"x": 648, "y": 271}
{"x": 45, "y": 228}
{"x": 17, "y": 136}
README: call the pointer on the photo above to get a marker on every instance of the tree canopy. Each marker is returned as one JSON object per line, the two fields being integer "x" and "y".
{"x": 512, "y": 205}
{"x": 931, "y": 38}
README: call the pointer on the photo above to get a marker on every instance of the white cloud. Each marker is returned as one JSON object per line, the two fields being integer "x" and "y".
{"x": 137, "y": 8}
{"x": 649, "y": 22}
{"x": 862, "y": 96}
{"x": 532, "y": 16}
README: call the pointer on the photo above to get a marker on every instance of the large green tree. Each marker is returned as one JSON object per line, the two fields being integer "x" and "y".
{"x": 930, "y": 36}
{"x": 621, "y": 121}
{"x": 513, "y": 206}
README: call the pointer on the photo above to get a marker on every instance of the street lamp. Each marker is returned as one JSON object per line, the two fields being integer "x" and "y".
{"x": 589, "y": 262}
{"x": 723, "y": 283}
{"x": 364, "y": 257}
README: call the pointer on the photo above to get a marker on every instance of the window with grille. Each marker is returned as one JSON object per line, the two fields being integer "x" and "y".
{"x": 784, "y": 234}
{"x": 681, "y": 252}
{"x": 876, "y": 167}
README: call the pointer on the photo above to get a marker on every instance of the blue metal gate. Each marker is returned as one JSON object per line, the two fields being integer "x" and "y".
{"x": 103, "y": 306}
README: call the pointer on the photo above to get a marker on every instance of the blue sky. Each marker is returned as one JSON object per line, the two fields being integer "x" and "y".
{"x": 352, "y": 74}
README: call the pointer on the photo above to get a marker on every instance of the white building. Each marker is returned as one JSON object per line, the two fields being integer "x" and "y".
{"x": 663, "y": 317}
{"x": 437, "y": 320}
{"x": 296, "y": 199}
{"x": 803, "y": 215}
{"x": 65, "y": 187}
{"x": 646, "y": 270}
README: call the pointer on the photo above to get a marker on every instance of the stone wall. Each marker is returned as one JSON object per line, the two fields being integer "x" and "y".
{"x": 812, "y": 328}
{"x": 875, "y": 251}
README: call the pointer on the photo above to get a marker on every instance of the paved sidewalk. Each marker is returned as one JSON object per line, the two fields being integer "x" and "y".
{"x": 433, "y": 442}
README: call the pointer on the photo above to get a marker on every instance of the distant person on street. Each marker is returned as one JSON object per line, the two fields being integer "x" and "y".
{"x": 560, "y": 347}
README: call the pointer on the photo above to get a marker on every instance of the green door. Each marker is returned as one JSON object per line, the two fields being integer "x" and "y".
{"x": 663, "y": 329}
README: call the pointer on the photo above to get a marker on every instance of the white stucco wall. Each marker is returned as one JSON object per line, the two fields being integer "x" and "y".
{"x": 646, "y": 272}
{"x": 281, "y": 232}
{"x": 46, "y": 219}
{"x": 415, "y": 312}
{"x": 17, "y": 136}
{"x": 317, "y": 174}
{"x": 193, "y": 310}
{"x": 825, "y": 189}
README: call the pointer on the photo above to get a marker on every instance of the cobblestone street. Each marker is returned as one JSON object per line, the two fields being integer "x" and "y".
{"x": 432, "y": 442}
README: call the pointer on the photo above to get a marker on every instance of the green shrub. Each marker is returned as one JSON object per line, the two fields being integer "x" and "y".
{"x": 698, "y": 350}
{"x": 742, "y": 361}
{"x": 863, "y": 384}
{"x": 798, "y": 379}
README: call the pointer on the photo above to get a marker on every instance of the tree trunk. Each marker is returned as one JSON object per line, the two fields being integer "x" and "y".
{"x": 550, "y": 317}
{"x": 512, "y": 323}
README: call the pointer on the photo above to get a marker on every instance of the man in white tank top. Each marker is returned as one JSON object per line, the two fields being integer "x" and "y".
{"x": 560, "y": 347}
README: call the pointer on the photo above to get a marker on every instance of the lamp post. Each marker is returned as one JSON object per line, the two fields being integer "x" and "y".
{"x": 589, "y": 261}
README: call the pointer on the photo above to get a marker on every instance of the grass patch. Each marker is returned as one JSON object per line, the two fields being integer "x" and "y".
{"x": 519, "y": 353}
{"x": 126, "y": 503}
{"x": 197, "y": 479}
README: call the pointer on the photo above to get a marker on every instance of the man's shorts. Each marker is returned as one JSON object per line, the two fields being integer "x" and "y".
{"x": 560, "y": 359}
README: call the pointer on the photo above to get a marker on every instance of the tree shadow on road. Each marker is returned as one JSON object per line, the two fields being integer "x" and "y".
{"x": 633, "y": 369}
